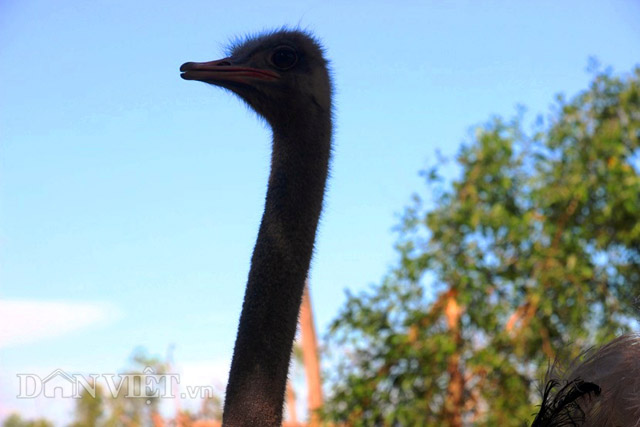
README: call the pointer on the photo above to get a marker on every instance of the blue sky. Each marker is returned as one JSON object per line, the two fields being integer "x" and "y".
{"x": 130, "y": 199}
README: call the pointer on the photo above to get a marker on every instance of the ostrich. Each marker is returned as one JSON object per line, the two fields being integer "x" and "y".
{"x": 284, "y": 77}
{"x": 601, "y": 391}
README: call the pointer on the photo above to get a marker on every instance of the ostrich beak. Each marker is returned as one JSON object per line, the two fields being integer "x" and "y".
{"x": 221, "y": 71}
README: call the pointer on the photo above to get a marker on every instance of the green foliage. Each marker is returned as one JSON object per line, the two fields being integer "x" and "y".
{"x": 532, "y": 253}
{"x": 103, "y": 409}
{"x": 89, "y": 408}
{"x": 135, "y": 411}
{"x": 15, "y": 420}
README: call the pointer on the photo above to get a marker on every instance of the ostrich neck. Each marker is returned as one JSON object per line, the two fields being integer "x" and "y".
{"x": 279, "y": 266}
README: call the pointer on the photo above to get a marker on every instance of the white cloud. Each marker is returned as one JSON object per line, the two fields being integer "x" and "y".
{"x": 198, "y": 378}
{"x": 203, "y": 373}
{"x": 26, "y": 321}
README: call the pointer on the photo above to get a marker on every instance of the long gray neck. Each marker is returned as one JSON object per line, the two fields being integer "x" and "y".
{"x": 279, "y": 267}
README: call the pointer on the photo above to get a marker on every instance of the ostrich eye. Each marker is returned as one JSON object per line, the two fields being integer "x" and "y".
{"x": 284, "y": 57}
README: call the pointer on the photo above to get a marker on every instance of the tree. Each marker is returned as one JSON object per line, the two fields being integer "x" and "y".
{"x": 532, "y": 253}
{"x": 15, "y": 420}
{"x": 124, "y": 408}
{"x": 137, "y": 411}
{"x": 310, "y": 357}
{"x": 89, "y": 408}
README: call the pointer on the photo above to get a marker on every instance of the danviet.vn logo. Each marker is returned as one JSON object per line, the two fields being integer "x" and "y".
{"x": 147, "y": 385}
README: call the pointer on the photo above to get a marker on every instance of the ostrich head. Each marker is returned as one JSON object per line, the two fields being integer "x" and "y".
{"x": 280, "y": 75}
